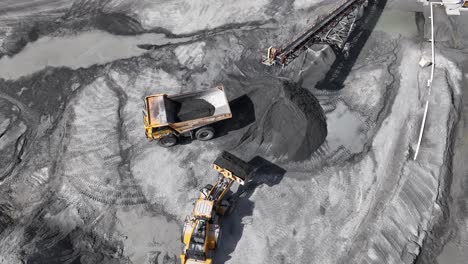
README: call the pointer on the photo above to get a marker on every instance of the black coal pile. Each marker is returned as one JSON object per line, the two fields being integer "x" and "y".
{"x": 193, "y": 109}
{"x": 291, "y": 125}
{"x": 294, "y": 127}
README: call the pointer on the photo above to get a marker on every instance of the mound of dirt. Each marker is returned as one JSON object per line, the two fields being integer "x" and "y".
{"x": 291, "y": 125}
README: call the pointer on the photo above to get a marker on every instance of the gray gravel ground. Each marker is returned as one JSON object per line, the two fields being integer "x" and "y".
{"x": 80, "y": 183}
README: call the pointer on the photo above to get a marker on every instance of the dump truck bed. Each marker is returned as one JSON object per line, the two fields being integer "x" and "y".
{"x": 188, "y": 111}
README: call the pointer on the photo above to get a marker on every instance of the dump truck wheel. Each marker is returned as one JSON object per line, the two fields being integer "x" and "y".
{"x": 167, "y": 141}
{"x": 205, "y": 133}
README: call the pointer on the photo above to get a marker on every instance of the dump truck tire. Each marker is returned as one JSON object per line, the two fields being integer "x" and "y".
{"x": 205, "y": 133}
{"x": 168, "y": 141}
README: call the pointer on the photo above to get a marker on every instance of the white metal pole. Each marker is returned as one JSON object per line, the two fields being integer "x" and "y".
{"x": 429, "y": 82}
{"x": 421, "y": 130}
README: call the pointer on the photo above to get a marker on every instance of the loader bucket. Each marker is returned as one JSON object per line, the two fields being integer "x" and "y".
{"x": 233, "y": 167}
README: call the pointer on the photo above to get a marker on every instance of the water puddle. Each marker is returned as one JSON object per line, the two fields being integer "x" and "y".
{"x": 346, "y": 129}
{"x": 78, "y": 51}
{"x": 398, "y": 21}
{"x": 414, "y": 6}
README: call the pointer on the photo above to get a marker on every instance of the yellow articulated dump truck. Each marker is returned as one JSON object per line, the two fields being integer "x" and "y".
{"x": 168, "y": 117}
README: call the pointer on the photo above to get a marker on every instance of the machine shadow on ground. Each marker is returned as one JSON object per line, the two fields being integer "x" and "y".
{"x": 232, "y": 225}
{"x": 345, "y": 61}
{"x": 243, "y": 114}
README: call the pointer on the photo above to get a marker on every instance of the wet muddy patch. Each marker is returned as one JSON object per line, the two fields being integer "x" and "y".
{"x": 78, "y": 51}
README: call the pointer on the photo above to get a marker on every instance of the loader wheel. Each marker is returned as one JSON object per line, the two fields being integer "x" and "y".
{"x": 168, "y": 141}
{"x": 229, "y": 210}
{"x": 205, "y": 133}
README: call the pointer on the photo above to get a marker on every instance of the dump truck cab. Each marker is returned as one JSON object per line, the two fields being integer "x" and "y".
{"x": 155, "y": 117}
{"x": 168, "y": 117}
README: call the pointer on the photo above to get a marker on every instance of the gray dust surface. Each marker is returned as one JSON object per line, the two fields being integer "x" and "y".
{"x": 331, "y": 136}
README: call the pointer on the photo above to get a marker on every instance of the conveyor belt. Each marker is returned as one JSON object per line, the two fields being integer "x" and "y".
{"x": 316, "y": 31}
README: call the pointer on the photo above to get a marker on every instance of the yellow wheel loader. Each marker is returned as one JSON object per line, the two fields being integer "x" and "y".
{"x": 201, "y": 230}
{"x": 168, "y": 117}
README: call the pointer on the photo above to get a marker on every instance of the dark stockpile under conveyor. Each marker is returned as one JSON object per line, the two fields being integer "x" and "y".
{"x": 289, "y": 125}
{"x": 293, "y": 126}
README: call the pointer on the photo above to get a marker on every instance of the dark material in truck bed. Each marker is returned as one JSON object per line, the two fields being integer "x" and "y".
{"x": 193, "y": 109}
